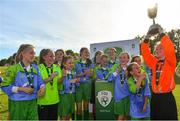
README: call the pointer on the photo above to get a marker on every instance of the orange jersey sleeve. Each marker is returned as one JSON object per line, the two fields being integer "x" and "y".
{"x": 169, "y": 51}
{"x": 149, "y": 59}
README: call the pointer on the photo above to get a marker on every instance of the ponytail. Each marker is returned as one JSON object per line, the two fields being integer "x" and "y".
{"x": 23, "y": 47}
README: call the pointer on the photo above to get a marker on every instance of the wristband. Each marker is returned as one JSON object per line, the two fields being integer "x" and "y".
{"x": 15, "y": 89}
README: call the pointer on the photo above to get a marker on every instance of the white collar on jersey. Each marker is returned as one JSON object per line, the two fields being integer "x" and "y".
{"x": 83, "y": 61}
{"x": 69, "y": 72}
{"x": 112, "y": 61}
{"x": 104, "y": 68}
{"x": 27, "y": 67}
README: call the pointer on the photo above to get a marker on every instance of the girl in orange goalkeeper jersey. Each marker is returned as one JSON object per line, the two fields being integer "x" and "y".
{"x": 163, "y": 64}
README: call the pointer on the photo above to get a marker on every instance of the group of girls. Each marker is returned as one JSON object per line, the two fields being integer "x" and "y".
{"x": 49, "y": 89}
{"x": 131, "y": 88}
{"x": 58, "y": 84}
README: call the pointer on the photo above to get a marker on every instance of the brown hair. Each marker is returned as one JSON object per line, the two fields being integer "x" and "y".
{"x": 60, "y": 50}
{"x": 43, "y": 53}
{"x": 22, "y": 48}
{"x": 129, "y": 69}
{"x": 82, "y": 49}
{"x": 98, "y": 52}
{"x": 88, "y": 60}
{"x": 133, "y": 58}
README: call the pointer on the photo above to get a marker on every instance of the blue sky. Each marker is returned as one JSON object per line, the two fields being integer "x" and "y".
{"x": 72, "y": 24}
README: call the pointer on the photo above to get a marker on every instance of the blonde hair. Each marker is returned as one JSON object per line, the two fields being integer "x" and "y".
{"x": 104, "y": 56}
{"x": 157, "y": 44}
{"x": 112, "y": 48}
{"x": 65, "y": 59}
{"x": 124, "y": 53}
{"x": 22, "y": 48}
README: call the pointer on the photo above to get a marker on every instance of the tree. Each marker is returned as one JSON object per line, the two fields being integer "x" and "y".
{"x": 69, "y": 52}
{"x": 174, "y": 34}
{"x": 36, "y": 60}
{"x": 3, "y": 62}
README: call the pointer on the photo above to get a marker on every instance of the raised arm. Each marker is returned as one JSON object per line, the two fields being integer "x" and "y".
{"x": 149, "y": 59}
{"x": 169, "y": 51}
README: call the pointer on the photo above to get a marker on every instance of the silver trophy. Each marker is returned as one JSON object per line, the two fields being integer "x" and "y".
{"x": 152, "y": 13}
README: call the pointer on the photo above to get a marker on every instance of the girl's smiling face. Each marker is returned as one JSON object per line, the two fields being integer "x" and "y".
{"x": 124, "y": 59}
{"x": 137, "y": 60}
{"x": 85, "y": 54}
{"x": 159, "y": 51}
{"x": 49, "y": 58}
{"x": 69, "y": 64}
{"x": 28, "y": 55}
{"x": 59, "y": 55}
{"x": 104, "y": 62}
{"x": 136, "y": 70}
{"x": 98, "y": 58}
{"x": 112, "y": 53}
